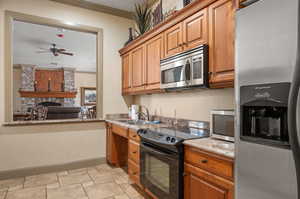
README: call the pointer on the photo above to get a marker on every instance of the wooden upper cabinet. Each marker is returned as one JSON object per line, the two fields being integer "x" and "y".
{"x": 154, "y": 51}
{"x": 56, "y": 78}
{"x": 173, "y": 40}
{"x": 221, "y": 43}
{"x": 126, "y": 79}
{"x": 204, "y": 23}
{"x": 195, "y": 30}
{"x": 137, "y": 57}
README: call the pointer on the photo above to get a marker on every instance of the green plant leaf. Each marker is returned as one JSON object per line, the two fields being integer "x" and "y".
{"x": 142, "y": 17}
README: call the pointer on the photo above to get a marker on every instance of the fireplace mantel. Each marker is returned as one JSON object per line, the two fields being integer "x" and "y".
{"x": 52, "y": 94}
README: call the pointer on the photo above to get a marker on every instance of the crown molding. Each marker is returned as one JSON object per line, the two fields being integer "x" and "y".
{"x": 96, "y": 7}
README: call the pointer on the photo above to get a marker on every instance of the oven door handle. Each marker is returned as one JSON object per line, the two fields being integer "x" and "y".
{"x": 155, "y": 151}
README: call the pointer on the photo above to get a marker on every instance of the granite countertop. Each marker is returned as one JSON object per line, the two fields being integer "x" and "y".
{"x": 208, "y": 144}
{"x": 42, "y": 122}
{"x": 134, "y": 126}
{"x": 213, "y": 145}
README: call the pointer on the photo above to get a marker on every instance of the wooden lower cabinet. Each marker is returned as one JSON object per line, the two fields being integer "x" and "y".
{"x": 109, "y": 150}
{"x": 207, "y": 175}
{"x": 116, "y": 145}
{"x": 200, "y": 184}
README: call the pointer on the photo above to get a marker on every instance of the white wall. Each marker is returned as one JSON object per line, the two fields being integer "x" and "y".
{"x": 83, "y": 79}
{"x": 194, "y": 105}
{"x": 33, "y": 146}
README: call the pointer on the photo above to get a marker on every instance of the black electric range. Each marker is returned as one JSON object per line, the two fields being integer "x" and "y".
{"x": 162, "y": 159}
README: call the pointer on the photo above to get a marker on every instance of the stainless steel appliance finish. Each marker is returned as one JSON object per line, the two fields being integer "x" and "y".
{"x": 266, "y": 51}
{"x": 222, "y": 124}
{"x": 188, "y": 69}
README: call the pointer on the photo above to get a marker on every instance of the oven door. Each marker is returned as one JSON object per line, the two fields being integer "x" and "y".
{"x": 160, "y": 171}
{"x": 176, "y": 74}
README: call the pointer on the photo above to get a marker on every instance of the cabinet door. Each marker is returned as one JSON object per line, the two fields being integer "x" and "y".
{"x": 173, "y": 40}
{"x": 199, "y": 184}
{"x": 126, "y": 82}
{"x": 137, "y": 67}
{"x": 195, "y": 30}
{"x": 109, "y": 140}
{"x": 56, "y": 79}
{"x": 221, "y": 43}
{"x": 153, "y": 54}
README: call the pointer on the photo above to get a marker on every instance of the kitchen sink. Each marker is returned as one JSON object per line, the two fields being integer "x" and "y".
{"x": 137, "y": 122}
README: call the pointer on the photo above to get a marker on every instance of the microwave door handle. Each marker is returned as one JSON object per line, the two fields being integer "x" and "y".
{"x": 187, "y": 70}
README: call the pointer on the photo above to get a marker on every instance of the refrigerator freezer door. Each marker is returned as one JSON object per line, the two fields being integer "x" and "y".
{"x": 266, "y": 35}
{"x": 266, "y": 49}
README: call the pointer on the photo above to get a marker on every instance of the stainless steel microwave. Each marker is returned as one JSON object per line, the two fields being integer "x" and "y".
{"x": 222, "y": 124}
{"x": 184, "y": 70}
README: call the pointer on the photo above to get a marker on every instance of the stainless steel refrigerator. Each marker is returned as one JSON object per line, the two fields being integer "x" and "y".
{"x": 267, "y": 92}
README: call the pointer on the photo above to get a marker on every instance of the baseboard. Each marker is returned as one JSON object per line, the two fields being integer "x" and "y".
{"x": 48, "y": 169}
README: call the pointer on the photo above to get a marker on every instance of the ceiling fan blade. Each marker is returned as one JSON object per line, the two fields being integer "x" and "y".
{"x": 43, "y": 51}
{"x": 61, "y": 50}
{"x": 65, "y": 53}
{"x": 43, "y": 48}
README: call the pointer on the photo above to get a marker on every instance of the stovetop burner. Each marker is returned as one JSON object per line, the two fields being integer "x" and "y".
{"x": 183, "y": 132}
{"x": 172, "y": 135}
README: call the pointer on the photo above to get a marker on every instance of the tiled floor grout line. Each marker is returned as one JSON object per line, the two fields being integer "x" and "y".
{"x": 46, "y": 192}
{"x": 117, "y": 178}
{"x": 85, "y": 191}
{"x": 91, "y": 177}
{"x": 6, "y": 194}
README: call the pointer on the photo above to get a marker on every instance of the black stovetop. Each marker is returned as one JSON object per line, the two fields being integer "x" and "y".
{"x": 172, "y": 135}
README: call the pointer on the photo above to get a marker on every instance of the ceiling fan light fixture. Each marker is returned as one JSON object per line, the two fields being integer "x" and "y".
{"x": 60, "y": 35}
{"x": 69, "y": 23}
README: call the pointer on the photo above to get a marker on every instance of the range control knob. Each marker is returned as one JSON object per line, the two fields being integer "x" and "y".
{"x": 142, "y": 131}
{"x": 173, "y": 140}
{"x": 168, "y": 139}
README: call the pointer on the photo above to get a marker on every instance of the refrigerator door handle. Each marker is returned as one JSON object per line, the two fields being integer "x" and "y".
{"x": 292, "y": 111}
{"x": 292, "y": 120}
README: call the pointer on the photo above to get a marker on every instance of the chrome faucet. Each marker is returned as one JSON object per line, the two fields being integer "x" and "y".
{"x": 145, "y": 115}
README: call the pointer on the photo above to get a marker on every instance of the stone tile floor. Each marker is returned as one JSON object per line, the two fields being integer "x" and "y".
{"x": 99, "y": 182}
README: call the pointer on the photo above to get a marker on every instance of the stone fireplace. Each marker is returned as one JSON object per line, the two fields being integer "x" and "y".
{"x": 27, "y": 84}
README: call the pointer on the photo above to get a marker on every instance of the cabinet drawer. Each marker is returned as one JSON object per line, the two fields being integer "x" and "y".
{"x": 217, "y": 165}
{"x": 134, "y": 151}
{"x": 120, "y": 130}
{"x": 134, "y": 172}
{"x": 133, "y": 135}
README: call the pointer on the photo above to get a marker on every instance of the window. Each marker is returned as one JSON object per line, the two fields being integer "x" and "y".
{"x": 55, "y": 70}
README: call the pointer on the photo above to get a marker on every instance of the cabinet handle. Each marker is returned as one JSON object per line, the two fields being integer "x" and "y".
{"x": 134, "y": 173}
{"x": 134, "y": 136}
{"x": 204, "y": 161}
{"x": 134, "y": 152}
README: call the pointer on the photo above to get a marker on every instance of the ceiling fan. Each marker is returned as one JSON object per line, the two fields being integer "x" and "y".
{"x": 56, "y": 51}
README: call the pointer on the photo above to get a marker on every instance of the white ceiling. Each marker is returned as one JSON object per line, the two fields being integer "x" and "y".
{"x": 127, "y": 5}
{"x": 30, "y": 38}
